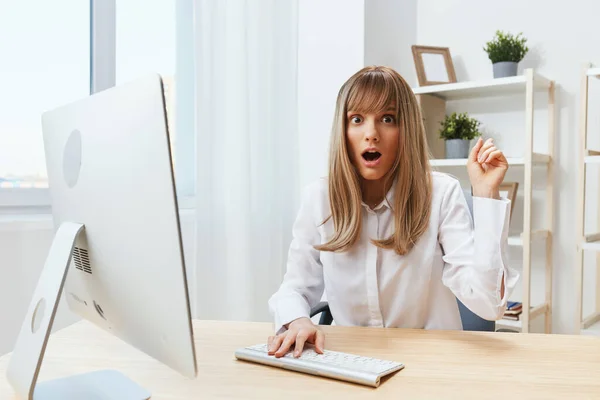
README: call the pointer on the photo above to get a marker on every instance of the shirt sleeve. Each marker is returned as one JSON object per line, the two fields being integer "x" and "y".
{"x": 475, "y": 252}
{"x": 302, "y": 286}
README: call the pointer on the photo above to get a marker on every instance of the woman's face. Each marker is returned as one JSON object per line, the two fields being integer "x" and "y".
{"x": 373, "y": 141}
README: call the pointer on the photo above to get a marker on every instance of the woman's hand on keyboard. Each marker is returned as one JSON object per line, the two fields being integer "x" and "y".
{"x": 299, "y": 331}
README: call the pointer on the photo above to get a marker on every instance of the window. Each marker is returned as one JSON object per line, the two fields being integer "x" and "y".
{"x": 145, "y": 44}
{"x": 45, "y": 64}
{"x": 145, "y": 38}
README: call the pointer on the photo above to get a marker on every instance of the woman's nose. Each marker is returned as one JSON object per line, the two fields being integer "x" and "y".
{"x": 371, "y": 133}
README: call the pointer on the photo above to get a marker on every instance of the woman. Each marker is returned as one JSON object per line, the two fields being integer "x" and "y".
{"x": 392, "y": 243}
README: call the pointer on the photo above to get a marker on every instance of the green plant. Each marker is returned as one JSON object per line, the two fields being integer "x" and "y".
{"x": 506, "y": 47}
{"x": 459, "y": 126}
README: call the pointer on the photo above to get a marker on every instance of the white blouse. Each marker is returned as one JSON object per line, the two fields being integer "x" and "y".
{"x": 457, "y": 257}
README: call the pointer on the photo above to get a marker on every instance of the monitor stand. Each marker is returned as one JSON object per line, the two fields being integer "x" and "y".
{"x": 26, "y": 360}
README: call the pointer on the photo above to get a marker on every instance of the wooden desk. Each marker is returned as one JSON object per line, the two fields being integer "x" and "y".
{"x": 439, "y": 364}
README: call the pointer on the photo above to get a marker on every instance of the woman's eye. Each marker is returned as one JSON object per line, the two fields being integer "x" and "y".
{"x": 388, "y": 119}
{"x": 356, "y": 119}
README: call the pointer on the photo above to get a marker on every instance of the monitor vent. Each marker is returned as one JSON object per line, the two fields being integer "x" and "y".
{"x": 82, "y": 260}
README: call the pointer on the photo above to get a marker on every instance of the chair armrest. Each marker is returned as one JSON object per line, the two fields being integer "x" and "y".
{"x": 323, "y": 309}
{"x": 319, "y": 308}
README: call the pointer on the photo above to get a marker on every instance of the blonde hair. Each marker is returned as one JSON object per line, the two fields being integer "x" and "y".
{"x": 374, "y": 89}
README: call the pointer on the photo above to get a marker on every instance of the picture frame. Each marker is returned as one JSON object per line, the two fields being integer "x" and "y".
{"x": 434, "y": 65}
{"x": 508, "y": 190}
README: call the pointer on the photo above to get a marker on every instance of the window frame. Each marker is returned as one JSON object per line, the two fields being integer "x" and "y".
{"x": 103, "y": 76}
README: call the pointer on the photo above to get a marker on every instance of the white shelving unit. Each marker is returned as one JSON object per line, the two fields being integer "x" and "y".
{"x": 433, "y": 100}
{"x": 537, "y": 159}
{"x": 586, "y": 241}
{"x": 486, "y": 88}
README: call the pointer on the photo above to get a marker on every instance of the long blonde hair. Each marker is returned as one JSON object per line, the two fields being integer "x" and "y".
{"x": 374, "y": 89}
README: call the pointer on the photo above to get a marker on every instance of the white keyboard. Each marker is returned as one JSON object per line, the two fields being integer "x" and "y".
{"x": 331, "y": 364}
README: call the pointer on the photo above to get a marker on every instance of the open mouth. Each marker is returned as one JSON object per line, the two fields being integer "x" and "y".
{"x": 371, "y": 155}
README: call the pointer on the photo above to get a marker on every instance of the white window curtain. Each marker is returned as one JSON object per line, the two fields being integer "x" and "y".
{"x": 246, "y": 153}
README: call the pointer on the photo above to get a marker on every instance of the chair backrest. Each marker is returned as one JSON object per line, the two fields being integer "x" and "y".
{"x": 470, "y": 320}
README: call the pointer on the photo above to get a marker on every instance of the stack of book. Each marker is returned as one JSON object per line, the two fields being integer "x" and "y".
{"x": 513, "y": 311}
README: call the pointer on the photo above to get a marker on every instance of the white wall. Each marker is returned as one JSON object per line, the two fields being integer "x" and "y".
{"x": 560, "y": 40}
{"x": 390, "y": 31}
{"x": 330, "y": 50}
{"x": 24, "y": 244}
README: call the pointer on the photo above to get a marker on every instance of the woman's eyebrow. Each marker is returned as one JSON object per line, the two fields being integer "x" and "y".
{"x": 387, "y": 110}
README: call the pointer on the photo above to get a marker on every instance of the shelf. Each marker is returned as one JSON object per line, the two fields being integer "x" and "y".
{"x": 485, "y": 88}
{"x": 534, "y": 312}
{"x": 515, "y": 161}
{"x": 592, "y": 160}
{"x": 592, "y": 242}
{"x": 595, "y": 72}
{"x": 517, "y": 240}
{"x": 594, "y": 246}
{"x": 593, "y": 330}
{"x": 590, "y": 321}
{"x": 590, "y": 152}
{"x": 508, "y": 323}
{"x": 592, "y": 237}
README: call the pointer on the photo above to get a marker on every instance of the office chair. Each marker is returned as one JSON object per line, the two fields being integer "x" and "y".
{"x": 470, "y": 320}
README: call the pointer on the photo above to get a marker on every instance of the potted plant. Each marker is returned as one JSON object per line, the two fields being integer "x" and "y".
{"x": 506, "y": 51}
{"x": 458, "y": 130}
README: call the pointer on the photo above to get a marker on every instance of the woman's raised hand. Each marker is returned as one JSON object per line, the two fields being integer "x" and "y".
{"x": 487, "y": 167}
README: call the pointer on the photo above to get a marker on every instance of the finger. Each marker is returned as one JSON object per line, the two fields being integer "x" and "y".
{"x": 276, "y": 343}
{"x": 495, "y": 155}
{"x": 488, "y": 145}
{"x": 319, "y": 342}
{"x": 269, "y": 341}
{"x": 483, "y": 156}
{"x": 475, "y": 150}
{"x": 300, "y": 339}
{"x": 290, "y": 338}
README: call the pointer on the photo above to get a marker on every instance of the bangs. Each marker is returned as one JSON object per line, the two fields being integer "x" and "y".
{"x": 373, "y": 92}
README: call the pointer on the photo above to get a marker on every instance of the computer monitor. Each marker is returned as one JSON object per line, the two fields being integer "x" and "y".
{"x": 117, "y": 243}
